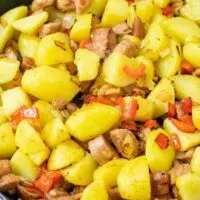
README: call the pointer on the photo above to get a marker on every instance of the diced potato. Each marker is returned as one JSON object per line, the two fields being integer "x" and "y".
{"x": 131, "y": 14}
{"x": 191, "y": 52}
{"x": 16, "y": 82}
{"x": 158, "y": 159}
{"x": 23, "y": 166}
{"x": 170, "y": 65}
{"x": 144, "y": 10}
{"x": 161, "y": 95}
{"x": 132, "y": 38}
{"x": 154, "y": 41}
{"x": 54, "y": 133}
{"x": 109, "y": 172}
{"x": 195, "y": 162}
{"x": 81, "y": 29}
{"x": 54, "y": 49}
{"x": 149, "y": 70}
{"x": 188, "y": 186}
{"x": 97, "y": 7}
{"x": 191, "y": 10}
{"x": 161, "y": 3}
{"x": 134, "y": 180}
{"x": 113, "y": 70}
{"x": 32, "y": 23}
{"x": 116, "y": 11}
{"x": 28, "y": 45}
{"x": 92, "y": 120}
{"x": 7, "y": 141}
{"x": 3, "y": 117}
{"x": 30, "y": 142}
{"x": 8, "y": 70}
{"x": 47, "y": 113}
{"x": 96, "y": 189}
{"x": 7, "y": 32}
{"x": 81, "y": 173}
{"x": 20, "y": 99}
{"x": 196, "y": 116}
{"x": 87, "y": 63}
{"x": 48, "y": 83}
{"x": 14, "y": 14}
{"x": 182, "y": 29}
{"x": 65, "y": 154}
{"x": 145, "y": 109}
{"x": 186, "y": 140}
{"x": 187, "y": 86}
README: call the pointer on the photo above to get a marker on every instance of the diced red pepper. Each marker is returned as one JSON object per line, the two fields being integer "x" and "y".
{"x": 151, "y": 124}
{"x": 129, "y": 125}
{"x": 54, "y": 175}
{"x": 171, "y": 110}
{"x": 175, "y": 142}
{"x": 187, "y": 105}
{"x": 135, "y": 73}
{"x": 168, "y": 10}
{"x": 162, "y": 141}
{"x": 187, "y": 67}
{"x": 187, "y": 119}
{"x": 84, "y": 43}
{"x": 104, "y": 100}
{"x": 130, "y": 2}
{"x": 89, "y": 99}
{"x": 25, "y": 113}
{"x": 129, "y": 111}
{"x": 182, "y": 126}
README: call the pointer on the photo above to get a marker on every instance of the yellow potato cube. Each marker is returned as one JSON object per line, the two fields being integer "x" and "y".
{"x": 81, "y": 173}
{"x": 54, "y": 133}
{"x": 98, "y": 116}
{"x": 32, "y": 23}
{"x": 161, "y": 3}
{"x": 3, "y": 117}
{"x": 48, "y": 83}
{"x": 116, "y": 11}
{"x": 196, "y": 116}
{"x": 23, "y": 166}
{"x": 87, "y": 63}
{"x": 20, "y": 99}
{"x": 7, "y": 141}
{"x": 54, "y": 49}
{"x": 65, "y": 154}
{"x": 81, "y": 29}
{"x": 195, "y": 162}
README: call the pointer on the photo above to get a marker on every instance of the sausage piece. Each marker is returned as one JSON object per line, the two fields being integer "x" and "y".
{"x": 121, "y": 29}
{"x": 5, "y": 167}
{"x": 102, "y": 150}
{"x": 125, "y": 142}
{"x": 49, "y": 28}
{"x": 65, "y": 5}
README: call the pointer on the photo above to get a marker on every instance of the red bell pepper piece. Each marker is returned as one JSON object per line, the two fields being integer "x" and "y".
{"x": 135, "y": 73}
{"x": 187, "y": 105}
{"x": 84, "y": 43}
{"x": 168, "y": 10}
{"x": 151, "y": 124}
{"x": 175, "y": 142}
{"x": 183, "y": 126}
{"x": 129, "y": 125}
{"x": 18, "y": 116}
{"x": 104, "y": 100}
{"x": 187, "y": 119}
{"x": 162, "y": 141}
{"x": 171, "y": 110}
{"x": 187, "y": 67}
{"x": 129, "y": 111}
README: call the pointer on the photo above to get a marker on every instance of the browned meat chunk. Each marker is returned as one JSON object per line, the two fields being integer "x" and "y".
{"x": 127, "y": 48}
{"x": 69, "y": 197}
{"x": 125, "y": 142}
{"x": 71, "y": 107}
{"x": 178, "y": 170}
{"x": 121, "y": 29}
{"x": 65, "y": 5}
{"x": 160, "y": 183}
{"x": 49, "y": 28}
{"x": 27, "y": 63}
{"x": 102, "y": 150}
{"x": 103, "y": 40}
{"x": 73, "y": 45}
{"x": 179, "y": 110}
{"x": 114, "y": 194}
{"x": 5, "y": 167}
{"x": 8, "y": 182}
{"x": 59, "y": 103}
{"x": 27, "y": 194}
{"x": 40, "y": 4}
{"x": 185, "y": 156}
{"x": 138, "y": 28}
{"x": 81, "y": 5}
{"x": 143, "y": 132}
